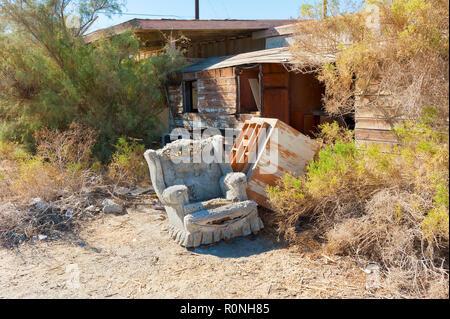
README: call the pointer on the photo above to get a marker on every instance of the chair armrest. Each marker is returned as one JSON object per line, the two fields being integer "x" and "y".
{"x": 234, "y": 186}
{"x": 156, "y": 173}
{"x": 176, "y": 195}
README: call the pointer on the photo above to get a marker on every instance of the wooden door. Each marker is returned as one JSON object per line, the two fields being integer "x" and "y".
{"x": 275, "y": 84}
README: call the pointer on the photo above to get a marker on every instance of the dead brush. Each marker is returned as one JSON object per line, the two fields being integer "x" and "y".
{"x": 390, "y": 234}
{"x": 21, "y": 222}
{"x": 47, "y": 193}
{"x": 385, "y": 228}
{"x": 392, "y": 58}
{"x": 33, "y": 177}
{"x": 9, "y": 154}
{"x": 69, "y": 152}
{"x": 388, "y": 207}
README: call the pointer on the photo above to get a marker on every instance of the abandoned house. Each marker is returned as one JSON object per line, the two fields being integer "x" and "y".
{"x": 239, "y": 70}
{"x": 224, "y": 92}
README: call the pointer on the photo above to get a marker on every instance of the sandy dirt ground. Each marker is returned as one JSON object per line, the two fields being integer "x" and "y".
{"x": 132, "y": 256}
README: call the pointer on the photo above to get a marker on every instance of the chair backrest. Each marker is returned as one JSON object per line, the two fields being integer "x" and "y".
{"x": 182, "y": 164}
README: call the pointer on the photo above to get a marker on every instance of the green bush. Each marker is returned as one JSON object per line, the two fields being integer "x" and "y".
{"x": 50, "y": 77}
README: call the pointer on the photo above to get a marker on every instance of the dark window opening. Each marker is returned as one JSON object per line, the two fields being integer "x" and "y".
{"x": 349, "y": 120}
{"x": 249, "y": 90}
{"x": 190, "y": 97}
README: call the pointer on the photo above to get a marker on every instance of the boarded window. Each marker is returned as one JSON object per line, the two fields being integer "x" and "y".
{"x": 190, "y": 97}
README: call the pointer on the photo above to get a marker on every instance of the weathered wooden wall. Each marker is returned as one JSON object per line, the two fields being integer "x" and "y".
{"x": 217, "y": 91}
{"x": 291, "y": 97}
{"x": 176, "y": 98}
{"x": 222, "y": 47}
{"x": 213, "y": 48}
{"x": 294, "y": 98}
{"x": 375, "y": 117}
{"x": 305, "y": 102}
{"x": 275, "y": 91}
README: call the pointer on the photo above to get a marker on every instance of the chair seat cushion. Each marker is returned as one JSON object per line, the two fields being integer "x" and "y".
{"x": 221, "y": 214}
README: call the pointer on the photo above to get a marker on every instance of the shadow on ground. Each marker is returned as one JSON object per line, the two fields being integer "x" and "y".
{"x": 239, "y": 247}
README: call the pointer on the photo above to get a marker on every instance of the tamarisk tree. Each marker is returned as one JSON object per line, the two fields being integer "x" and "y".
{"x": 50, "y": 77}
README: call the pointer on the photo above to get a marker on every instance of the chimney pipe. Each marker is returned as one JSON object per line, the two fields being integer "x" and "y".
{"x": 197, "y": 10}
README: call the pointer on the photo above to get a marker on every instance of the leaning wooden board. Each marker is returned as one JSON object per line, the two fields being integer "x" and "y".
{"x": 291, "y": 152}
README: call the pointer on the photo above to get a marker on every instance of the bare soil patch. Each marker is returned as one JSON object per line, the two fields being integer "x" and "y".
{"x": 131, "y": 256}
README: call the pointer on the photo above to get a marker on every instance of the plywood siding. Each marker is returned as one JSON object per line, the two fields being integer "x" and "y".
{"x": 284, "y": 150}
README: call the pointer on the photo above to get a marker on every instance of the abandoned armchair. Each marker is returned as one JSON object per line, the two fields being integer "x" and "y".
{"x": 204, "y": 199}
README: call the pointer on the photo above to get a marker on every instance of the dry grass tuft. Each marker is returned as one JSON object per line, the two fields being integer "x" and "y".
{"x": 56, "y": 189}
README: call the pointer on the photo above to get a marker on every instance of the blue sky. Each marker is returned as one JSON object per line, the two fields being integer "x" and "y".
{"x": 209, "y": 9}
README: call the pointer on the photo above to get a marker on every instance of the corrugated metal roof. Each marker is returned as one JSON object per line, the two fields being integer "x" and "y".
{"x": 276, "y": 55}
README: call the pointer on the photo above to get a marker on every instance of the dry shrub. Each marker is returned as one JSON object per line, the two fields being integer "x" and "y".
{"x": 380, "y": 47}
{"x": 33, "y": 177}
{"x": 48, "y": 192}
{"x": 7, "y": 150}
{"x": 389, "y": 207}
{"x": 69, "y": 152}
{"x": 59, "y": 166}
{"x": 388, "y": 232}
